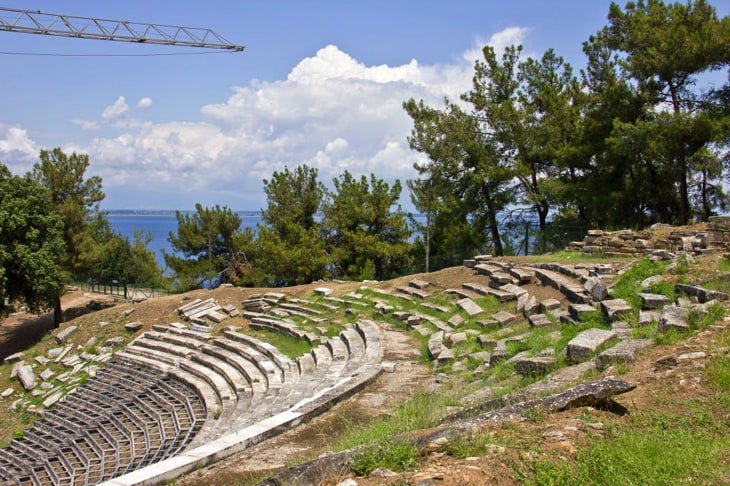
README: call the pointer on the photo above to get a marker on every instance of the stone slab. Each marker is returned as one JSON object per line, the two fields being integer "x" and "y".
{"x": 674, "y": 317}
{"x": 653, "y": 301}
{"x": 623, "y": 352}
{"x": 585, "y": 344}
{"x": 469, "y": 306}
{"x": 615, "y": 309}
{"x": 65, "y": 333}
{"x": 504, "y": 318}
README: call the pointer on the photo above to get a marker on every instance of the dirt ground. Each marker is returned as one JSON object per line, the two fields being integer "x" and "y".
{"x": 560, "y": 435}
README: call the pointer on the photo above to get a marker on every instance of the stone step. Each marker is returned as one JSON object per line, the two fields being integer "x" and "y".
{"x": 282, "y": 362}
{"x": 256, "y": 381}
{"x": 259, "y": 368}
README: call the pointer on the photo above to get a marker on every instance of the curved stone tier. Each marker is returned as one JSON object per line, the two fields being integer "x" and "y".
{"x": 122, "y": 419}
{"x": 174, "y": 390}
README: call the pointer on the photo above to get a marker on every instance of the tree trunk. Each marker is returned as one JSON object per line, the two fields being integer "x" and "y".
{"x": 494, "y": 230}
{"x": 57, "y": 313}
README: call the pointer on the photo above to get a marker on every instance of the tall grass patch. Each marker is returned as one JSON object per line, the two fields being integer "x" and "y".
{"x": 628, "y": 284}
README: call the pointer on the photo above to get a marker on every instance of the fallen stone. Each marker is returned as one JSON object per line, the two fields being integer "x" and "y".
{"x": 549, "y": 305}
{"x": 114, "y": 341}
{"x": 504, "y": 318}
{"x": 456, "y": 338}
{"x": 133, "y": 326}
{"x": 456, "y": 320}
{"x": 14, "y": 358}
{"x": 7, "y": 392}
{"x": 489, "y": 324}
{"x": 388, "y": 366}
{"x": 702, "y": 294}
{"x": 419, "y": 284}
{"x": 51, "y": 400}
{"x": 436, "y": 344}
{"x": 499, "y": 353}
{"x": 585, "y": 344}
{"x": 648, "y": 317}
{"x": 577, "y": 311}
{"x": 623, "y": 352}
{"x": 531, "y": 307}
{"x": 413, "y": 321}
{"x": 539, "y": 320}
{"x": 516, "y": 290}
{"x": 653, "y": 301}
{"x": 65, "y": 333}
{"x": 469, "y": 306}
{"x": 46, "y": 374}
{"x": 691, "y": 356}
{"x": 26, "y": 377}
{"x": 596, "y": 288}
{"x": 486, "y": 342}
{"x": 445, "y": 356}
{"x": 534, "y": 366}
{"x": 323, "y": 291}
{"x": 615, "y": 309}
{"x": 674, "y": 317}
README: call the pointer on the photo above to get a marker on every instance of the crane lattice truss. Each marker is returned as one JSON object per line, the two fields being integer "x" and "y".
{"x": 36, "y": 22}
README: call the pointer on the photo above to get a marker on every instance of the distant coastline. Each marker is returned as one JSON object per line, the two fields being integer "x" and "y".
{"x": 166, "y": 212}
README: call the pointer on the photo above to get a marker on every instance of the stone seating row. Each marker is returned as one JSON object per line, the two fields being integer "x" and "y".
{"x": 122, "y": 419}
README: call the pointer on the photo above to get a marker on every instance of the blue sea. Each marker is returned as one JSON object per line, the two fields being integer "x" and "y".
{"x": 160, "y": 224}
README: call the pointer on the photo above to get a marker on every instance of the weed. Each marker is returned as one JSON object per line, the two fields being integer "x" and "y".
{"x": 462, "y": 446}
{"x": 422, "y": 411}
{"x": 628, "y": 284}
{"x": 394, "y": 454}
{"x": 644, "y": 332}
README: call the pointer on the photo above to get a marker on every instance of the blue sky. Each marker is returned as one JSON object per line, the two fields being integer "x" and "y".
{"x": 320, "y": 82}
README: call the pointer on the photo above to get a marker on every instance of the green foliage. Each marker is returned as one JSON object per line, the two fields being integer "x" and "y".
{"x": 75, "y": 199}
{"x": 421, "y": 411}
{"x": 463, "y": 446}
{"x": 628, "y": 284}
{"x": 207, "y": 241}
{"x": 718, "y": 369}
{"x": 395, "y": 454}
{"x": 289, "y": 345}
{"x": 366, "y": 238}
{"x": 31, "y": 244}
{"x": 290, "y": 247}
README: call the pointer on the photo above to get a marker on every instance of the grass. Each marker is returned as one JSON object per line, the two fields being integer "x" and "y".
{"x": 687, "y": 445}
{"x": 378, "y": 441}
{"x": 292, "y": 347}
{"x": 628, "y": 285}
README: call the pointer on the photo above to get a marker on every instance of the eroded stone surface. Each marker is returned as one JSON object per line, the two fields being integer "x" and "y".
{"x": 585, "y": 344}
{"x": 615, "y": 309}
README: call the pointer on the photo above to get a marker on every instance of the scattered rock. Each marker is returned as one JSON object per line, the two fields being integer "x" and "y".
{"x": 133, "y": 326}
{"x": 616, "y": 309}
{"x": 674, "y": 317}
{"x": 585, "y": 344}
{"x": 65, "y": 333}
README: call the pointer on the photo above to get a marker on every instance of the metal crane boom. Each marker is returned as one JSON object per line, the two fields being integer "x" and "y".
{"x": 36, "y": 22}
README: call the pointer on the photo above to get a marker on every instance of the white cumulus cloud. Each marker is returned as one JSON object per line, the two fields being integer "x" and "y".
{"x": 17, "y": 149}
{"x": 145, "y": 102}
{"x": 332, "y": 112}
{"x": 116, "y": 110}
{"x": 511, "y": 36}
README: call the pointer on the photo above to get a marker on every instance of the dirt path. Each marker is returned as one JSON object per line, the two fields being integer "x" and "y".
{"x": 22, "y": 330}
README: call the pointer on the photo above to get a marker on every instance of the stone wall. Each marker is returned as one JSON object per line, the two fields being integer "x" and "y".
{"x": 710, "y": 237}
